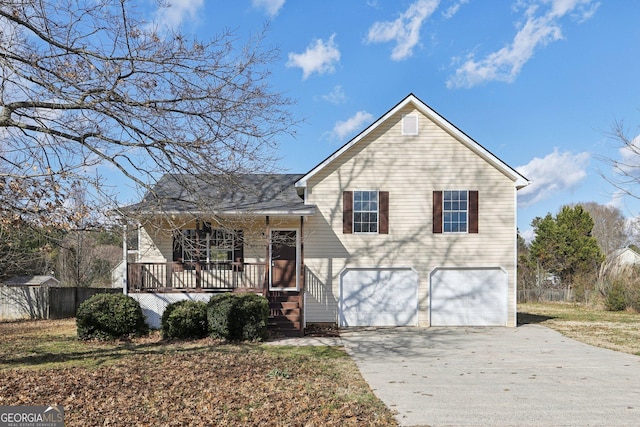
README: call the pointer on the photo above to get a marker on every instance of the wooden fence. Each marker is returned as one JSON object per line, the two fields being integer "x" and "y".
{"x": 44, "y": 302}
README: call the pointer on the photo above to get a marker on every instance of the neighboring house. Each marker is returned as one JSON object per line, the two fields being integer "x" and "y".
{"x": 410, "y": 223}
{"x": 622, "y": 259}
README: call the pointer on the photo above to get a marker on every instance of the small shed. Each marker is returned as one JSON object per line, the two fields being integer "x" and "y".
{"x": 32, "y": 281}
{"x": 26, "y": 297}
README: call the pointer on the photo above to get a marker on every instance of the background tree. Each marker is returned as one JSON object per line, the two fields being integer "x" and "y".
{"x": 89, "y": 88}
{"x": 626, "y": 168}
{"x": 527, "y": 275}
{"x": 86, "y": 257}
{"x": 564, "y": 246}
{"x": 26, "y": 250}
{"x": 609, "y": 227}
{"x": 544, "y": 247}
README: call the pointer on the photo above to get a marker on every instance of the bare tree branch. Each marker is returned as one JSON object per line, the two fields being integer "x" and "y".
{"x": 89, "y": 89}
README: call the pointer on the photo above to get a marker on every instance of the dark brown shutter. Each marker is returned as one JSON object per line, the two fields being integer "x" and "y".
{"x": 384, "y": 212}
{"x": 347, "y": 212}
{"x": 437, "y": 211}
{"x": 177, "y": 246}
{"x": 238, "y": 251}
{"x": 473, "y": 211}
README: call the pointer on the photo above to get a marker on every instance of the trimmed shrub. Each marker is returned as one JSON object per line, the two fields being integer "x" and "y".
{"x": 185, "y": 320}
{"x": 238, "y": 317}
{"x": 110, "y": 316}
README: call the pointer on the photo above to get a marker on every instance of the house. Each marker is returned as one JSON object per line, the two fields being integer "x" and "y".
{"x": 622, "y": 260}
{"x": 410, "y": 223}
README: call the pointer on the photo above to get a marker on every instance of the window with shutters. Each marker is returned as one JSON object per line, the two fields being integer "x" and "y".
{"x": 455, "y": 211}
{"x": 365, "y": 212}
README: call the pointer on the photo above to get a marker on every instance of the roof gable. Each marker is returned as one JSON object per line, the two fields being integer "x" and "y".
{"x": 519, "y": 180}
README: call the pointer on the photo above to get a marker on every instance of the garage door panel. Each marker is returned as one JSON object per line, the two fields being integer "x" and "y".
{"x": 469, "y": 297}
{"x": 379, "y": 297}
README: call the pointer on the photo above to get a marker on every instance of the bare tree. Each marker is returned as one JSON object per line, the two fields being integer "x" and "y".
{"x": 626, "y": 167}
{"x": 88, "y": 88}
{"x": 609, "y": 227}
{"x": 25, "y": 249}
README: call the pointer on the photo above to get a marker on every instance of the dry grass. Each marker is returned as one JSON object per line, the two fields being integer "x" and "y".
{"x": 618, "y": 331}
{"x": 152, "y": 382}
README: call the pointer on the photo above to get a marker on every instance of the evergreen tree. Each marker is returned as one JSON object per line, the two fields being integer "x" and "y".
{"x": 564, "y": 245}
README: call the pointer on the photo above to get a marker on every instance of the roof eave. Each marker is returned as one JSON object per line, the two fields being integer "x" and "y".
{"x": 306, "y": 211}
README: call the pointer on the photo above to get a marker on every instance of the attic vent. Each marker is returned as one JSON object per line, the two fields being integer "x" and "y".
{"x": 410, "y": 124}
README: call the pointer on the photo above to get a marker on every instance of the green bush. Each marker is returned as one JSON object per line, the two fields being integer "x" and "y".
{"x": 110, "y": 316}
{"x": 185, "y": 319}
{"x": 615, "y": 300}
{"x": 238, "y": 317}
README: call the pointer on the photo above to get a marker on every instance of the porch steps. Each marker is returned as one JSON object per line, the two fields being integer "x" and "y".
{"x": 285, "y": 314}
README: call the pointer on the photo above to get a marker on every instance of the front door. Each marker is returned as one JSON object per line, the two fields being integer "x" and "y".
{"x": 284, "y": 259}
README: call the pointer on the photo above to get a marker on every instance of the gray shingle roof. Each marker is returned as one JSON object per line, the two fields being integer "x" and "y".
{"x": 267, "y": 194}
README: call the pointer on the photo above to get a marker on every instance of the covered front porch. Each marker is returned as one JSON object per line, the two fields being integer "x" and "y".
{"x": 220, "y": 233}
{"x": 265, "y": 256}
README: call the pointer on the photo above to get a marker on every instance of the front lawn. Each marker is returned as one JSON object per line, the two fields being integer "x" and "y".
{"x": 618, "y": 331}
{"x": 151, "y": 382}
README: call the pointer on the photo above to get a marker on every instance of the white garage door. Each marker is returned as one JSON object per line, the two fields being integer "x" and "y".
{"x": 379, "y": 297}
{"x": 469, "y": 297}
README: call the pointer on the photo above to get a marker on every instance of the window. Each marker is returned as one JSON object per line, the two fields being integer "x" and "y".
{"x": 455, "y": 210}
{"x": 410, "y": 124}
{"x": 207, "y": 245}
{"x": 365, "y": 211}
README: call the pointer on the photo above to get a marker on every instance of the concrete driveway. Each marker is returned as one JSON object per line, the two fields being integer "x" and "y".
{"x": 527, "y": 376}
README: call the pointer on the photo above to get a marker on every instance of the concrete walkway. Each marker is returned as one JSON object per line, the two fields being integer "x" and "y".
{"x": 527, "y": 376}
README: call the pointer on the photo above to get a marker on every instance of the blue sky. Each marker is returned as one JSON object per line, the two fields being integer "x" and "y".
{"x": 539, "y": 83}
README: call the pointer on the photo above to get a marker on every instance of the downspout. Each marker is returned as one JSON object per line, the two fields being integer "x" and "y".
{"x": 125, "y": 259}
{"x": 267, "y": 260}
{"x": 302, "y": 297}
{"x": 515, "y": 265}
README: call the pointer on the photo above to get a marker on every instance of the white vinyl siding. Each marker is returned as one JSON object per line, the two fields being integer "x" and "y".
{"x": 410, "y": 169}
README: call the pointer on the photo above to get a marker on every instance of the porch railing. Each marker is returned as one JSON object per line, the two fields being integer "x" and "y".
{"x": 196, "y": 276}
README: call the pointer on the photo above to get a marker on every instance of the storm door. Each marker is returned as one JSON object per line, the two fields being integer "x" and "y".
{"x": 284, "y": 262}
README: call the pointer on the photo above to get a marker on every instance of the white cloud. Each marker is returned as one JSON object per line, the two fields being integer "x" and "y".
{"x": 554, "y": 173}
{"x": 617, "y": 199}
{"x": 174, "y": 12}
{"x": 320, "y": 57}
{"x": 336, "y": 96}
{"x": 272, "y": 7}
{"x": 343, "y": 129}
{"x": 538, "y": 30}
{"x": 528, "y": 235}
{"x": 405, "y": 30}
{"x": 453, "y": 9}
